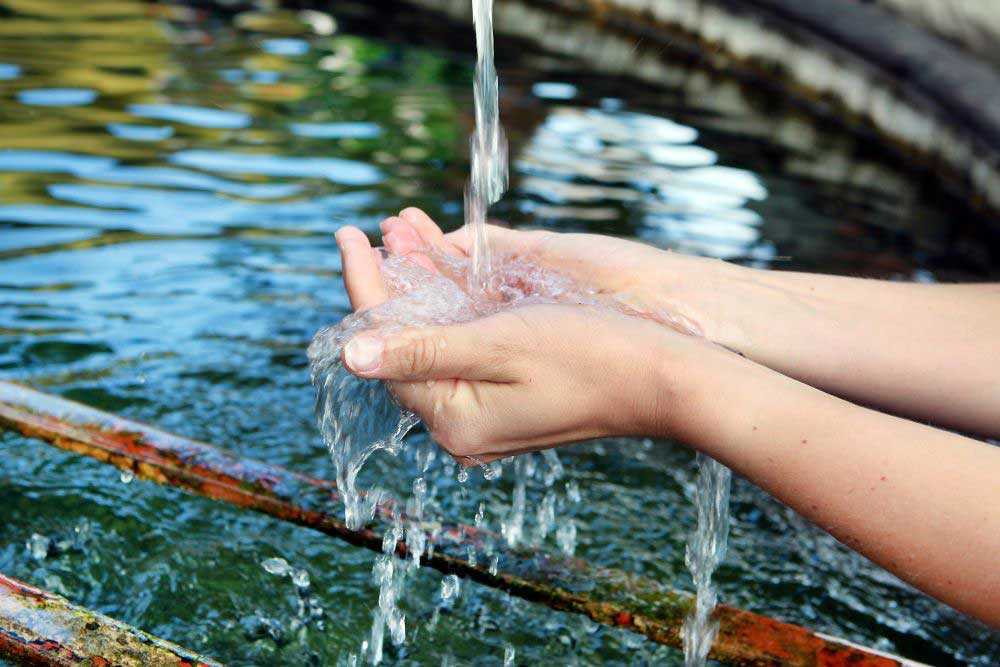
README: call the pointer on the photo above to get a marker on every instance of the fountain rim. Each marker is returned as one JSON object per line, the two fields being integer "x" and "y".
{"x": 933, "y": 105}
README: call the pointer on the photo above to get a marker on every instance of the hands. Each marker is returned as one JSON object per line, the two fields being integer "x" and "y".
{"x": 532, "y": 377}
{"x": 539, "y": 376}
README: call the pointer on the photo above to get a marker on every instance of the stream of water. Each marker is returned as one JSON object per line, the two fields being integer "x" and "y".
{"x": 488, "y": 145}
{"x": 705, "y": 551}
{"x": 358, "y": 418}
{"x": 172, "y": 175}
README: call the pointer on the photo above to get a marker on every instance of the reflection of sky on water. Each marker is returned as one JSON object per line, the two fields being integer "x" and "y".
{"x": 286, "y": 47}
{"x": 192, "y": 115}
{"x": 166, "y": 251}
{"x": 57, "y": 97}
{"x": 347, "y": 172}
{"x": 336, "y": 130}
{"x": 140, "y": 132}
{"x": 9, "y": 71}
{"x": 590, "y": 164}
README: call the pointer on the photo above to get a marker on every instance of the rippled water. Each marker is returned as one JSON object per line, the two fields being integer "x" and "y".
{"x": 170, "y": 180}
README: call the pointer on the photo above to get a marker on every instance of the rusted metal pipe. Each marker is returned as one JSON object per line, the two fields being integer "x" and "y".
{"x": 606, "y": 596}
{"x": 40, "y": 628}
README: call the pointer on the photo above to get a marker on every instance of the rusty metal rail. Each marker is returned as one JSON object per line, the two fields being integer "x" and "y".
{"x": 606, "y": 596}
{"x": 40, "y": 628}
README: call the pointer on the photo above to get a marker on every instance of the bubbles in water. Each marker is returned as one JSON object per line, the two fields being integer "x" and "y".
{"x": 508, "y": 655}
{"x": 127, "y": 476}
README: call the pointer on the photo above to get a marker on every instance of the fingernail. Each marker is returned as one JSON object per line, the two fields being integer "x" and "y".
{"x": 364, "y": 353}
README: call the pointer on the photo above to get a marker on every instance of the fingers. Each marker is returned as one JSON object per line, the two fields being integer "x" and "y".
{"x": 502, "y": 239}
{"x": 360, "y": 268}
{"x": 428, "y": 230}
{"x": 401, "y": 239}
{"x": 456, "y": 352}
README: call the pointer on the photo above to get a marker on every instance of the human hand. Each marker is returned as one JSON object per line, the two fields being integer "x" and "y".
{"x": 526, "y": 378}
{"x": 661, "y": 285}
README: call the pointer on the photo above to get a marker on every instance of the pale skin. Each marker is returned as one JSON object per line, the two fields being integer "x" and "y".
{"x": 922, "y": 502}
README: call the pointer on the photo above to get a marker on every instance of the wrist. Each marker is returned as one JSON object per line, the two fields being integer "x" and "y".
{"x": 709, "y": 396}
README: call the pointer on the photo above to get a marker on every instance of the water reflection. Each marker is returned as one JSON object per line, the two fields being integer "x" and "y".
{"x": 586, "y": 164}
{"x": 166, "y": 251}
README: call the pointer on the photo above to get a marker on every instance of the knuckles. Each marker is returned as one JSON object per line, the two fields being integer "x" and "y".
{"x": 421, "y": 357}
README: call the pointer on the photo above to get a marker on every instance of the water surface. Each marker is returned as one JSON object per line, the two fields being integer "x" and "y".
{"x": 170, "y": 180}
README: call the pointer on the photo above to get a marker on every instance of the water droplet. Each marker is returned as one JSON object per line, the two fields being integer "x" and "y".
{"x": 463, "y": 475}
{"x": 127, "y": 476}
{"x": 450, "y": 587}
{"x": 276, "y": 566}
{"x": 38, "y": 546}
{"x": 300, "y": 578}
{"x": 566, "y": 537}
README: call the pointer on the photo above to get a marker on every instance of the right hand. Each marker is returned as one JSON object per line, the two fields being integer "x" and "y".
{"x": 648, "y": 279}
{"x": 534, "y": 376}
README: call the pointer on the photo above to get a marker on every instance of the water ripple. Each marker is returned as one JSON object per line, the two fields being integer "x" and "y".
{"x": 346, "y": 172}
{"x": 57, "y": 97}
{"x": 193, "y": 115}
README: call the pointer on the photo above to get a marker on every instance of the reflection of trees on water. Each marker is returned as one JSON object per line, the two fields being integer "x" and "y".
{"x": 161, "y": 71}
{"x": 155, "y": 66}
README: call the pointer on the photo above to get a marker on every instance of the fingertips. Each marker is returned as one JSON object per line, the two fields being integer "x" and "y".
{"x": 350, "y": 236}
{"x": 400, "y": 238}
{"x": 422, "y": 223}
{"x": 389, "y": 224}
{"x": 360, "y": 268}
{"x": 363, "y": 354}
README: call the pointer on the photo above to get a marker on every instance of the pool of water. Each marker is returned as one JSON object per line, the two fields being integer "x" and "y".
{"x": 170, "y": 180}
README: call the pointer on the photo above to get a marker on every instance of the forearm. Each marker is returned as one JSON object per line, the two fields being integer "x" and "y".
{"x": 925, "y": 351}
{"x": 920, "y": 502}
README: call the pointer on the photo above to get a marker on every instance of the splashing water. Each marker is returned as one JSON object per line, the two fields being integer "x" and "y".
{"x": 360, "y": 417}
{"x": 705, "y": 550}
{"x": 488, "y": 146}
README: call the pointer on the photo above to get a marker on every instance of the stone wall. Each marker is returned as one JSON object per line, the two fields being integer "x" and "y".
{"x": 975, "y": 24}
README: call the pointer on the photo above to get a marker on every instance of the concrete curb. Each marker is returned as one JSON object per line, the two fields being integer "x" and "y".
{"x": 875, "y": 71}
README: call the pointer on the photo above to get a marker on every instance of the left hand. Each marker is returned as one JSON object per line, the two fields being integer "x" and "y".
{"x": 528, "y": 378}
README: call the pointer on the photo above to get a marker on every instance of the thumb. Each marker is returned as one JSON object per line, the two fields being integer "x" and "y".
{"x": 455, "y": 352}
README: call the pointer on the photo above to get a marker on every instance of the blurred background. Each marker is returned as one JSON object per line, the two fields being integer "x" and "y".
{"x": 171, "y": 175}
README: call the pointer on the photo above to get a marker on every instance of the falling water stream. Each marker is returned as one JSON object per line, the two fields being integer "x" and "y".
{"x": 705, "y": 551}
{"x": 171, "y": 182}
{"x": 488, "y": 145}
{"x": 358, "y": 418}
